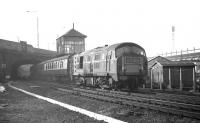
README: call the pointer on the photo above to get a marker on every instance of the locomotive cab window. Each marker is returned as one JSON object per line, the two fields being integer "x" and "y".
{"x": 130, "y": 49}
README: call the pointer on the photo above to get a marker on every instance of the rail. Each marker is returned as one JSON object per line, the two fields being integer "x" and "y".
{"x": 173, "y": 107}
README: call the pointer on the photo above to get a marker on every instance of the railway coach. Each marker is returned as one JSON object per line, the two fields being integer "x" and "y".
{"x": 122, "y": 65}
{"x": 52, "y": 70}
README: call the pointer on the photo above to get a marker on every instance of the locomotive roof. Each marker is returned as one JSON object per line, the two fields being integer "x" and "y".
{"x": 114, "y": 46}
{"x": 111, "y": 47}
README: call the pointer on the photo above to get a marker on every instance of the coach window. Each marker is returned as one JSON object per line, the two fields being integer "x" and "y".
{"x": 58, "y": 66}
{"x": 61, "y": 64}
{"x": 81, "y": 62}
{"x": 47, "y": 66}
{"x": 54, "y": 64}
{"x": 51, "y": 65}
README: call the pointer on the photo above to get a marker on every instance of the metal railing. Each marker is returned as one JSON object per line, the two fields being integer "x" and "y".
{"x": 181, "y": 52}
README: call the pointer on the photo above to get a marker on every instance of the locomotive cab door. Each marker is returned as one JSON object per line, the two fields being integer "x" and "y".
{"x": 108, "y": 61}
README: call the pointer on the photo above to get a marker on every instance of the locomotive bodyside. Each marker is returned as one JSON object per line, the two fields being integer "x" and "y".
{"x": 117, "y": 66}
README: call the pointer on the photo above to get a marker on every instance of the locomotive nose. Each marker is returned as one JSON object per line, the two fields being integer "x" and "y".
{"x": 130, "y": 65}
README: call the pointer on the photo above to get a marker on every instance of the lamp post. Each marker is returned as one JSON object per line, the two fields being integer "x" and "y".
{"x": 37, "y": 27}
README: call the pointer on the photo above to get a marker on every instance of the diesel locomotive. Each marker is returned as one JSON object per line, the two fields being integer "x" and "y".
{"x": 121, "y": 65}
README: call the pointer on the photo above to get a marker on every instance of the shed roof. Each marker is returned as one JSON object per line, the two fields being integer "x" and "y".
{"x": 177, "y": 63}
{"x": 166, "y": 62}
{"x": 159, "y": 58}
{"x": 153, "y": 61}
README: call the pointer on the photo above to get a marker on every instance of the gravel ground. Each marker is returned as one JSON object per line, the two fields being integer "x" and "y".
{"x": 46, "y": 112}
{"x": 21, "y": 108}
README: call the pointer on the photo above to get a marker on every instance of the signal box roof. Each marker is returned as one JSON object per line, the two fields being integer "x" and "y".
{"x": 74, "y": 33}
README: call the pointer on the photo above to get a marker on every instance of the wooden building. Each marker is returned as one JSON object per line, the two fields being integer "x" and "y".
{"x": 171, "y": 74}
{"x": 71, "y": 42}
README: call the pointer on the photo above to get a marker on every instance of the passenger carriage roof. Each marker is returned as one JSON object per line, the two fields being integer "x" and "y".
{"x": 56, "y": 59}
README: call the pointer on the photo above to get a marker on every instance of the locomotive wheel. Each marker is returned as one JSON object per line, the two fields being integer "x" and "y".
{"x": 110, "y": 81}
{"x": 71, "y": 77}
{"x": 81, "y": 81}
{"x": 133, "y": 84}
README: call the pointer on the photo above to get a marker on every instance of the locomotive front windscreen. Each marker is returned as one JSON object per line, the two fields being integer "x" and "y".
{"x": 129, "y": 49}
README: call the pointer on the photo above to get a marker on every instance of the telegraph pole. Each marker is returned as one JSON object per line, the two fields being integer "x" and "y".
{"x": 37, "y": 27}
{"x": 38, "y": 32}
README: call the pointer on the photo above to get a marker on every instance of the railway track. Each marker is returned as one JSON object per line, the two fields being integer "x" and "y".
{"x": 140, "y": 100}
{"x": 182, "y": 105}
{"x": 186, "y": 97}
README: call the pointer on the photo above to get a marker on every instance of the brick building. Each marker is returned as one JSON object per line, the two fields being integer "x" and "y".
{"x": 71, "y": 42}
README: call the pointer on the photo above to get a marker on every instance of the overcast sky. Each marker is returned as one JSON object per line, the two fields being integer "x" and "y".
{"x": 145, "y": 22}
